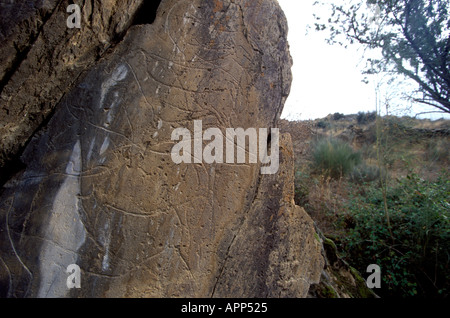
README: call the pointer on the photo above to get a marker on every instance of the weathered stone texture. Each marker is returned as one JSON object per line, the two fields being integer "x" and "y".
{"x": 41, "y": 59}
{"x": 100, "y": 189}
{"x": 274, "y": 253}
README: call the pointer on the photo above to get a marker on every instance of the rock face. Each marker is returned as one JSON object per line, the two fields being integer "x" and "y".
{"x": 99, "y": 187}
{"x": 274, "y": 253}
{"x": 41, "y": 58}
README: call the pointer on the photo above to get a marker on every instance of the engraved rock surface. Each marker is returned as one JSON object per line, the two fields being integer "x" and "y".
{"x": 100, "y": 189}
{"x": 41, "y": 59}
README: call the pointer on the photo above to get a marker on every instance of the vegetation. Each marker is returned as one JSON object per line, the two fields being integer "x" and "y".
{"x": 413, "y": 250}
{"x": 380, "y": 189}
{"x": 334, "y": 157}
{"x": 413, "y": 36}
{"x": 365, "y": 118}
{"x": 379, "y": 186}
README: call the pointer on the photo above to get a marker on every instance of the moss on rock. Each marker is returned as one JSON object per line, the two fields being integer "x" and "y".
{"x": 338, "y": 279}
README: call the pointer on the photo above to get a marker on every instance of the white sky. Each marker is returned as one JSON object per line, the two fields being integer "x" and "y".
{"x": 326, "y": 78}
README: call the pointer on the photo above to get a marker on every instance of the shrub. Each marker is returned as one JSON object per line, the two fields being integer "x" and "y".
{"x": 337, "y": 116}
{"x": 334, "y": 157}
{"x": 414, "y": 252}
{"x": 365, "y": 118}
{"x": 322, "y": 124}
{"x": 364, "y": 173}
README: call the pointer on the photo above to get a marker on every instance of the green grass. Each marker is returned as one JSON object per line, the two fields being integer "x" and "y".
{"x": 334, "y": 158}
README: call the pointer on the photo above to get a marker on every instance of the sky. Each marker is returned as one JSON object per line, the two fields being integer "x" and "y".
{"x": 327, "y": 78}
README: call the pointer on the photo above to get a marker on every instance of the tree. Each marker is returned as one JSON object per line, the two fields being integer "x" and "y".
{"x": 413, "y": 36}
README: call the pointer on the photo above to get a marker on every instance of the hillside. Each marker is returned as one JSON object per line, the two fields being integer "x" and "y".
{"x": 397, "y": 182}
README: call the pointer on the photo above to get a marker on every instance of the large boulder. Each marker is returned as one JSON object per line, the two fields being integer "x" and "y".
{"x": 100, "y": 188}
